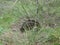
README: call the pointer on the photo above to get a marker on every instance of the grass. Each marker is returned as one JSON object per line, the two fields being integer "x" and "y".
{"x": 10, "y": 15}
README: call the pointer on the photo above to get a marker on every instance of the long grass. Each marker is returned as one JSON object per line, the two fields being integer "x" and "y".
{"x": 12, "y": 11}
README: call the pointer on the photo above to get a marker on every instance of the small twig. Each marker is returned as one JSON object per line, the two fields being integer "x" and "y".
{"x": 37, "y": 6}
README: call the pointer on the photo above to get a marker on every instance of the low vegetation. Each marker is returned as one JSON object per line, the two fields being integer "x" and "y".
{"x": 14, "y": 14}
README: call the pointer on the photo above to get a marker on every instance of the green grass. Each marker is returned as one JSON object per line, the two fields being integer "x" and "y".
{"x": 45, "y": 36}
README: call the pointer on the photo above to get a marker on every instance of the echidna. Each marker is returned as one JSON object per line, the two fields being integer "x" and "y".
{"x": 29, "y": 24}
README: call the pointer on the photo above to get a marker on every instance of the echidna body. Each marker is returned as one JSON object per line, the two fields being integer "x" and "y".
{"x": 28, "y": 25}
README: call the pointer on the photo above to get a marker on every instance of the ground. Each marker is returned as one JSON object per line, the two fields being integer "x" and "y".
{"x": 13, "y": 13}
